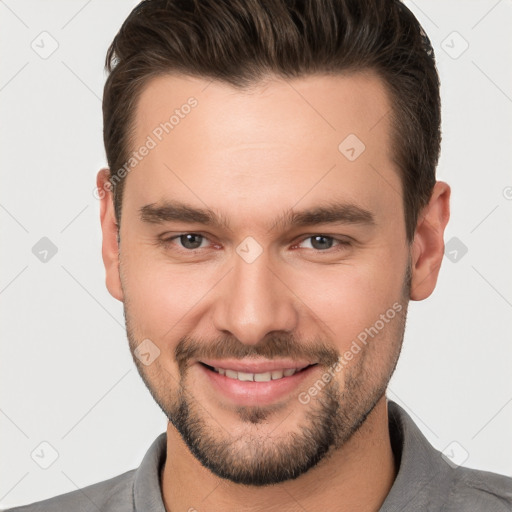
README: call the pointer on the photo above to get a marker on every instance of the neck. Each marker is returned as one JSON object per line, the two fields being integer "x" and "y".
{"x": 358, "y": 476}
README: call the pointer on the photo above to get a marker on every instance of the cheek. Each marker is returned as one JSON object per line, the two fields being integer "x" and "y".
{"x": 159, "y": 295}
{"x": 347, "y": 299}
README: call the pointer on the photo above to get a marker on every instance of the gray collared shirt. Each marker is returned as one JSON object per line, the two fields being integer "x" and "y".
{"x": 425, "y": 481}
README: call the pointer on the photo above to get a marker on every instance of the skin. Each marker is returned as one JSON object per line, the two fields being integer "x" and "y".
{"x": 251, "y": 157}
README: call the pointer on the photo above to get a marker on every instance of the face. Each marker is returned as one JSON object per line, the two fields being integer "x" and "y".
{"x": 264, "y": 267}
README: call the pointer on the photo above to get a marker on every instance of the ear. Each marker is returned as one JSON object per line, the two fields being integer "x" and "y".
{"x": 109, "y": 228}
{"x": 428, "y": 244}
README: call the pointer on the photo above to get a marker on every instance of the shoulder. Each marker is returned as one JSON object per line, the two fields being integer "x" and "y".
{"x": 432, "y": 481}
{"x": 134, "y": 489}
{"x": 477, "y": 490}
{"x": 112, "y": 495}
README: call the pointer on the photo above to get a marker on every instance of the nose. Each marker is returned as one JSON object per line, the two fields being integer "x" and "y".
{"x": 253, "y": 301}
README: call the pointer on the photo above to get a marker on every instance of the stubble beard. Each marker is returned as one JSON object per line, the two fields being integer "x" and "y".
{"x": 256, "y": 457}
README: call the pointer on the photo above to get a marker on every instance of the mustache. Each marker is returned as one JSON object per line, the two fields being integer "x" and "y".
{"x": 274, "y": 345}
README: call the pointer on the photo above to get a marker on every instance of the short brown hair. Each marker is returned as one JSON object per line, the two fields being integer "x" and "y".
{"x": 239, "y": 42}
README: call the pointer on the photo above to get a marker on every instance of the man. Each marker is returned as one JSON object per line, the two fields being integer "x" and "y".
{"x": 269, "y": 210}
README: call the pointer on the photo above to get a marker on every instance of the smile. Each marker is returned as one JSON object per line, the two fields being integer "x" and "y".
{"x": 255, "y": 381}
{"x": 257, "y": 377}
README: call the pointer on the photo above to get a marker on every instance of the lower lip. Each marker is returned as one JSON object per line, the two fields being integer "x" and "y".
{"x": 256, "y": 393}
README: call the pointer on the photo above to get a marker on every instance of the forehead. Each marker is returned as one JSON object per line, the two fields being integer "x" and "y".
{"x": 280, "y": 142}
{"x": 314, "y": 106}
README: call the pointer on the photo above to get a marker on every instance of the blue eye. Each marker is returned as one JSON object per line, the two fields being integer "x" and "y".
{"x": 188, "y": 241}
{"x": 323, "y": 242}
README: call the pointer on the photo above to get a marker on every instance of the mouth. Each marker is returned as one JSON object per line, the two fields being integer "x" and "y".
{"x": 249, "y": 382}
{"x": 267, "y": 376}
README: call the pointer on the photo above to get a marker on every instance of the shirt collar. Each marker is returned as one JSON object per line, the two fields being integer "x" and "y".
{"x": 421, "y": 468}
{"x": 147, "y": 489}
{"x": 423, "y": 475}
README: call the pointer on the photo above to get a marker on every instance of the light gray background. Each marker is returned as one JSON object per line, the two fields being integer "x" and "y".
{"x": 67, "y": 377}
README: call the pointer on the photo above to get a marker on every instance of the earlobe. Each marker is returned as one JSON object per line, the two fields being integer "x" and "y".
{"x": 109, "y": 228}
{"x": 428, "y": 244}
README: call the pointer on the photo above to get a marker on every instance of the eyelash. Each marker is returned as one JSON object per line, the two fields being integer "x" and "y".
{"x": 341, "y": 244}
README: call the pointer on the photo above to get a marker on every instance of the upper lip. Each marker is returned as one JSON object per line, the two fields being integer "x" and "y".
{"x": 256, "y": 365}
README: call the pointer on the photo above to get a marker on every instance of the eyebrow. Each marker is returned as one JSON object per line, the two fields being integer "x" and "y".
{"x": 332, "y": 213}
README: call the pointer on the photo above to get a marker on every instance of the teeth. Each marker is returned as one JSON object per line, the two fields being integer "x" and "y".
{"x": 231, "y": 374}
{"x": 263, "y": 377}
{"x": 257, "y": 377}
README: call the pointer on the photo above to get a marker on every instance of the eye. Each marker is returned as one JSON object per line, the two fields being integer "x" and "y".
{"x": 324, "y": 242}
{"x": 188, "y": 241}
